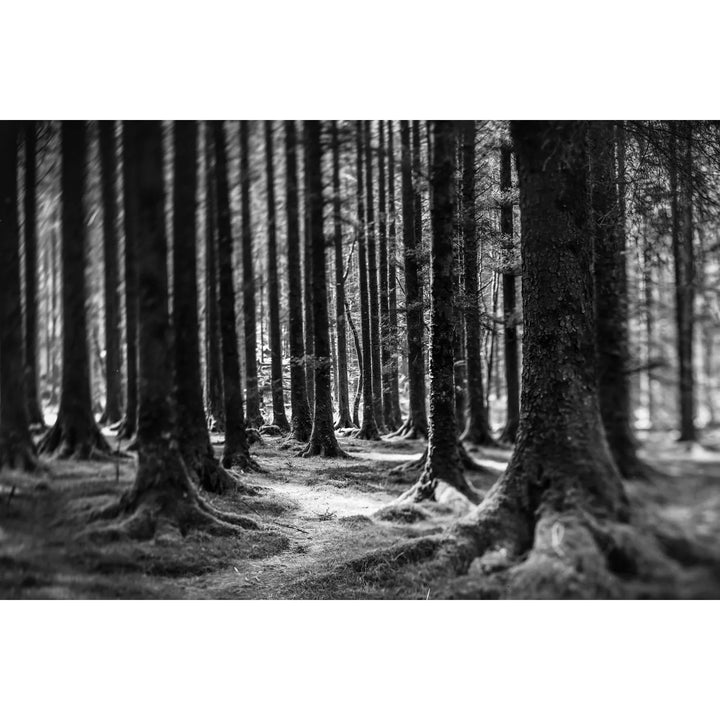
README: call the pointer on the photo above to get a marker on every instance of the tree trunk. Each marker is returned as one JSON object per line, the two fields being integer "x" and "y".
{"x": 369, "y": 428}
{"x": 214, "y": 386}
{"x": 108, "y": 171}
{"x": 75, "y": 433}
{"x": 612, "y": 302}
{"x": 392, "y": 332}
{"x": 512, "y": 364}
{"x": 31, "y": 293}
{"x": 377, "y": 386}
{"x": 16, "y": 446}
{"x": 192, "y": 432}
{"x": 252, "y": 394}
{"x": 129, "y": 425}
{"x": 443, "y": 459}
{"x": 681, "y": 169}
{"x": 278, "y": 401}
{"x": 344, "y": 418}
{"x": 162, "y": 496}
{"x": 307, "y": 280}
{"x": 416, "y": 423}
{"x": 477, "y": 428}
{"x": 301, "y": 420}
{"x": 358, "y": 354}
{"x": 322, "y": 441}
{"x": 236, "y": 452}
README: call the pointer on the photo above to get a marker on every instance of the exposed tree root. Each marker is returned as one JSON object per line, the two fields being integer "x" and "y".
{"x": 208, "y": 474}
{"x": 409, "y": 431}
{"x": 468, "y": 463}
{"x": 64, "y": 446}
{"x": 241, "y": 461}
{"x": 18, "y": 455}
{"x": 368, "y": 432}
{"x": 323, "y": 449}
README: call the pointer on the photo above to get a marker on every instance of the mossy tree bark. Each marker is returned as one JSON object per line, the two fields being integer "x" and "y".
{"x": 31, "y": 268}
{"x": 612, "y": 301}
{"x": 278, "y": 401}
{"x": 322, "y": 440}
{"x": 510, "y": 339}
{"x": 75, "y": 433}
{"x": 236, "y": 451}
{"x": 16, "y": 446}
{"x": 477, "y": 428}
{"x": 252, "y": 394}
{"x": 129, "y": 425}
{"x": 163, "y": 496}
{"x": 108, "y": 172}
{"x": 443, "y": 459}
{"x": 369, "y": 428}
{"x": 192, "y": 432}
{"x": 300, "y": 418}
{"x": 344, "y": 418}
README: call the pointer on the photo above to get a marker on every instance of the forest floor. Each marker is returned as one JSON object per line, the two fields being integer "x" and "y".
{"x": 329, "y": 528}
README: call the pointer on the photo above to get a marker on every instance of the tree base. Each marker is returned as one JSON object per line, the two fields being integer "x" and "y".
{"x": 409, "y": 431}
{"x": 64, "y": 443}
{"x": 327, "y": 448}
{"x": 18, "y": 455}
{"x": 241, "y": 461}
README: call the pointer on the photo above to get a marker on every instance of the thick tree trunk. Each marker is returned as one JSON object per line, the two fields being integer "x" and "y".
{"x": 108, "y": 171}
{"x": 681, "y": 167}
{"x": 322, "y": 441}
{"x": 236, "y": 451}
{"x": 214, "y": 402}
{"x": 385, "y": 345}
{"x": 416, "y": 423}
{"x": 192, "y": 432}
{"x": 307, "y": 280}
{"x": 443, "y": 459}
{"x": 300, "y": 419}
{"x": 162, "y": 496}
{"x": 129, "y": 425}
{"x": 344, "y": 418}
{"x": 252, "y": 394}
{"x": 477, "y": 428}
{"x": 75, "y": 433}
{"x": 31, "y": 292}
{"x": 392, "y": 334}
{"x": 512, "y": 364}
{"x": 377, "y": 386}
{"x": 278, "y": 401}
{"x": 369, "y": 428}
{"x": 612, "y": 302}
{"x": 16, "y": 445}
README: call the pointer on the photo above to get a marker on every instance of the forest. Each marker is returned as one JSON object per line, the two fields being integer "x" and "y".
{"x": 368, "y": 359}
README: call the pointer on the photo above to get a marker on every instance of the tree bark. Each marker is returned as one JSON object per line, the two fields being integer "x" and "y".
{"x": 31, "y": 292}
{"x": 512, "y": 363}
{"x": 322, "y": 441}
{"x": 278, "y": 401}
{"x": 75, "y": 433}
{"x": 252, "y": 394}
{"x": 307, "y": 280}
{"x": 16, "y": 446}
{"x": 300, "y": 419}
{"x": 344, "y": 418}
{"x": 369, "y": 428}
{"x": 108, "y": 171}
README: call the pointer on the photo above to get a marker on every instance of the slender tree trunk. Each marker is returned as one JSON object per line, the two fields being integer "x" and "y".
{"x": 252, "y": 393}
{"x": 301, "y": 420}
{"x": 75, "y": 433}
{"x": 358, "y": 354}
{"x": 322, "y": 441}
{"x": 459, "y": 299}
{"x": 477, "y": 428}
{"x": 192, "y": 432}
{"x": 307, "y": 281}
{"x": 612, "y": 301}
{"x": 215, "y": 408}
{"x": 377, "y": 386}
{"x": 344, "y": 418}
{"x": 16, "y": 446}
{"x": 31, "y": 292}
{"x": 369, "y": 428}
{"x": 512, "y": 364}
{"x": 279, "y": 417}
{"x": 392, "y": 335}
{"x": 443, "y": 459}
{"x": 236, "y": 452}
{"x": 416, "y": 423}
{"x": 682, "y": 235}
{"x": 129, "y": 425}
{"x": 108, "y": 171}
